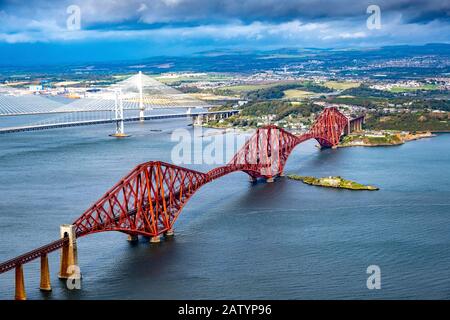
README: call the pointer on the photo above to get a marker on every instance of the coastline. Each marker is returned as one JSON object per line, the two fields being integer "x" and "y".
{"x": 362, "y": 144}
{"x": 401, "y": 138}
{"x": 396, "y": 140}
{"x": 222, "y": 130}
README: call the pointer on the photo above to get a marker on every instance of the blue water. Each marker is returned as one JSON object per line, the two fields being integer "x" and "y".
{"x": 234, "y": 240}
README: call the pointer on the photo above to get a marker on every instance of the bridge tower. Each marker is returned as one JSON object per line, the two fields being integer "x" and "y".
{"x": 118, "y": 108}
{"x": 141, "y": 98}
{"x": 69, "y": 256}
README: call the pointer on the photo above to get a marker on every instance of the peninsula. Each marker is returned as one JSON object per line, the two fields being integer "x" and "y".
{"x": 382, "y": 138}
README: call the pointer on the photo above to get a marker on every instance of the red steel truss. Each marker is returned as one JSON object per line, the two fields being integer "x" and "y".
{"x": 150, "y": 198}
{"x": 329, "y": 127}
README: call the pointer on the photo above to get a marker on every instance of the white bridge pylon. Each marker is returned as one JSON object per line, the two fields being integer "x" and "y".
{"x": 141, "y": 98}
{"x": 118, "y": 104}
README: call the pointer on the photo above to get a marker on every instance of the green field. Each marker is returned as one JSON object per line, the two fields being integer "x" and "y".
{"x": 192, "y": 78}
{"x": 341, "y": 85}
{"x": 297, "y": 94}
{"x": 387, "y": 139}
{"x": 253, "y": 87}
{"x": 408, "y": 89}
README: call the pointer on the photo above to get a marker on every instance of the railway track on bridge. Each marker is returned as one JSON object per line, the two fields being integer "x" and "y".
{"x": 32, "y": 255}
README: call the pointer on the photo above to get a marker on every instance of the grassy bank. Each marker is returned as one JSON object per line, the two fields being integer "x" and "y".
{"x": 370, "y": 140}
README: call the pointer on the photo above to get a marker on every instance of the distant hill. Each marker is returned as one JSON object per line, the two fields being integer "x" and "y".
{"x": 429, "y": 60}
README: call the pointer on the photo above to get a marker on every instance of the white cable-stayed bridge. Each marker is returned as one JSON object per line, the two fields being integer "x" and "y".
{"x": 114, "y": 104}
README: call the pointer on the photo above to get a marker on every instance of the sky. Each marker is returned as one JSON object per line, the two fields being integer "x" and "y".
{"x": 44, "y": 31}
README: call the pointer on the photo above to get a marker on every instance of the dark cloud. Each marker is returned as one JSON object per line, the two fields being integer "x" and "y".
{"x": 285, "y": 10}
{"x": 217, "y": 11}
{"x": 227, "y": 22}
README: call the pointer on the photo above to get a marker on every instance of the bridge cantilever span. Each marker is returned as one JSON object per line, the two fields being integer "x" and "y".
{"x": 150, "y": 198}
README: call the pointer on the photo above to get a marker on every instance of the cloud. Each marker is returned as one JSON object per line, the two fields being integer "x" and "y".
{"x": 263, "y": 22}
{"x": 192, "y": 11}
{"x": 171, "y": 11}
{"x": 290, "y": 33}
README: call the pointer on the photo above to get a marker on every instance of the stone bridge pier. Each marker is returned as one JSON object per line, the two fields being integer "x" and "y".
{"x": 200, "y": 119}
{"x": 355, "y": 125}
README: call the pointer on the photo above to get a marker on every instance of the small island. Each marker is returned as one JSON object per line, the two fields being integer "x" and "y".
{"x": 332, "y": 182}
{"x": 381, "y": 138}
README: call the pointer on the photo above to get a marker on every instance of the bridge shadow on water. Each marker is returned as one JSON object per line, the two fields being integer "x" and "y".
{"x": 326, "y": 158}
{"x": 260, "y": 194}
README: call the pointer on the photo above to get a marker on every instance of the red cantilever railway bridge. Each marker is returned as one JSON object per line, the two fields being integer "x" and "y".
{"x": 150, "y": 198}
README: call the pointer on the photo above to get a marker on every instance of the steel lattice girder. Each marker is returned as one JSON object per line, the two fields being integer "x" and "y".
{"x": 149, "y": 199}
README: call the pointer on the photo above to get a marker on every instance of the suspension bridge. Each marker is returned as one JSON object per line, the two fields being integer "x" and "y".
{"x": 150, "y": 198}
{"x": 146, "y": 97}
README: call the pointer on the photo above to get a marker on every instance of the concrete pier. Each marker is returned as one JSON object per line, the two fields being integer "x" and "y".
{"x": 199, "y": 119}
{"x": 169, "y": 233}
{"x": 356, "y": 124}
{"x": 69, "y": 255}
{"x": 156, "y": 239}
{"x": 45, "y": 284}
{"x": 132, "y": 238}
{"x": 119, "y": 135}
{"x": 20, "y": 284}
{"x": 270, "y": 180}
